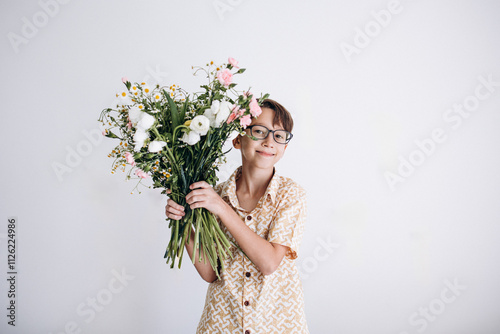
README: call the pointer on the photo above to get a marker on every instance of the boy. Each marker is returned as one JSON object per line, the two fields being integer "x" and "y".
{"x": 264, "y": 214}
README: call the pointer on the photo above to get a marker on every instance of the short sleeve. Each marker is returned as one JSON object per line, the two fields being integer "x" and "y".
{"x": 287, "y": 225}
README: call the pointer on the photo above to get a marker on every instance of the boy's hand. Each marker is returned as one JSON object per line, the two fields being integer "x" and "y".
{"x": 204, "y": 196}
{"x": 173, "y": 210}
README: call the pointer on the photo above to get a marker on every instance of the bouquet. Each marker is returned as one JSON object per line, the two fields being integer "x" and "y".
{"x": 176, "y": 138}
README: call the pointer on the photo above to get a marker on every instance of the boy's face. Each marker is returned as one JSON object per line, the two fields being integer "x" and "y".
{"x": 264, "y": 153}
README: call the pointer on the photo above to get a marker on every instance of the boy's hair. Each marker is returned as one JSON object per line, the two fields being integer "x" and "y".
{"x": 281, "y": 115}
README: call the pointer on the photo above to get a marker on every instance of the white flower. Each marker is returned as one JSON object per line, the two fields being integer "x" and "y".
{"x": 156, "y": 146}
{"x": 191, "y": 138}
{"x": 211, "y": 117}
{"x": 215, "y": 107}
{"x": 200, "y": 124}
{"x": 135, "y": 114}
{"x": 223, "y": 114}
{"x": 146, "y": 122}
{"x": 218, "y": 113}
{"x": 139, "y": 137}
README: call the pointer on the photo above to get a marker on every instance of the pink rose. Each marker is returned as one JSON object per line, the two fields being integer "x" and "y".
{"x": 255, "y": 109}
{"x": 233, "y": 62}
{"x": 141, "y": 173}
{"x": 124, "y": 79}
{"x": 130, "y": 158}
{"x": 245, "y": 121}
{"x": 225, "y": 77}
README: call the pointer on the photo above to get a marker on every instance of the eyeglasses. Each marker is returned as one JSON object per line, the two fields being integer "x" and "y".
{"x": 260, "y": 132}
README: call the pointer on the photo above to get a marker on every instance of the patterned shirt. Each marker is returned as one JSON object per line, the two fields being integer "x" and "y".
{"x": 243, "y": 300}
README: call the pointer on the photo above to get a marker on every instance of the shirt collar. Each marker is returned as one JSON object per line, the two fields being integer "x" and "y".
{"x": 229, "y": 189}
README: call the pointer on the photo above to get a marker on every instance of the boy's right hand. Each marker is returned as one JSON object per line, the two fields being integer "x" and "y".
{"x": 173, "y": 210}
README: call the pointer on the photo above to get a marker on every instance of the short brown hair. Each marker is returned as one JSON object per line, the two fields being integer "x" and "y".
{"x": 281, "y": 115}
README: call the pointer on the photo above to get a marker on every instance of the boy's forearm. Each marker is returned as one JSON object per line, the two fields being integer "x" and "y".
{"x": 204, "y": 269}
{"x": 262, "y": 253}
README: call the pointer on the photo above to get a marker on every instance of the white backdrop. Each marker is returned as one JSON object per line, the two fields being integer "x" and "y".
{"x": 396, "y": 141}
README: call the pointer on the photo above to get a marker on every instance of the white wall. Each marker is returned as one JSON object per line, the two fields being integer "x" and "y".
{"x": 374, "y": 259}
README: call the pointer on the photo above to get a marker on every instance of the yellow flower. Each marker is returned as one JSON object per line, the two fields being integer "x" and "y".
{"x": 140, "y": 106}
{"x": 157, "y": 97}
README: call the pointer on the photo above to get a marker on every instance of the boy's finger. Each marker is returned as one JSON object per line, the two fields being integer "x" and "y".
{"x": 199, "y": 184}
{"x": 171, "y": 210}
{"x": 173, "y": 204}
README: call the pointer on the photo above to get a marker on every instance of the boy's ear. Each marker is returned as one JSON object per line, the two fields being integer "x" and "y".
{"x": 237, "y": 142}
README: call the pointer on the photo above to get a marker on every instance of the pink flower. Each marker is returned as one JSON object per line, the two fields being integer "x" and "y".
{"x": 233, "y": 62}
{"x": 225, "y": 77}
{"x": 124, "y": 79}
{"x": 129, "y": 125}
{"x": 245, "y": 121}
{"x": 255, "y": 109}
{"x": 141, "y": 173}
{"x": 130, "y": 158}
{"x": 103, "y": 132}
{"x": 231, "y": 117}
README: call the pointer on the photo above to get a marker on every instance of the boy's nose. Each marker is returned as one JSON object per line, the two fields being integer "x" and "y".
{"x": 269, "y": 141}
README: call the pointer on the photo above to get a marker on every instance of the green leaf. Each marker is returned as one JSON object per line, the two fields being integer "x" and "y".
{"x": 232, "y": 85}
{"x": 241, "y": 70}
{"x": 110, "y": 134}
{"x": 182, "y": 114}
{"x": 173, "y": 110}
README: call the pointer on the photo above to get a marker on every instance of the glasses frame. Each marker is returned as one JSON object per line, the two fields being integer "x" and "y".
{"x": 267, "y": 135}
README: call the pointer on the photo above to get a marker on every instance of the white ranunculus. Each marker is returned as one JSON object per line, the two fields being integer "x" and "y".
{"x": 200, "y": 124}
{"x": 135, "y": 114}
{"x": 146, "y": 122}
{"x": 139, "y": 137}
{"x": 191, "y": 138}
{"x": 223, "y": 114}
{"x": 211, "y": 116}
{"x": 156, "y": 146}
{"x": 215, "y": 107}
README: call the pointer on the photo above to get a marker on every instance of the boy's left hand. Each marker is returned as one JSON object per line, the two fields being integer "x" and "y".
{"x": 204, "y": 196}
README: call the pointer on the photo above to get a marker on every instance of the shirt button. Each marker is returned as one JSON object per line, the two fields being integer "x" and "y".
{"x": 247, "y": 332}
{"x": 248, "y": 274}
{"x": 247, "y": 303}
{"x": 249, "y": 217}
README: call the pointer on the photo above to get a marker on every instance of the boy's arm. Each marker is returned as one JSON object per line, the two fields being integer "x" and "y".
{"x": 265, "y": 255}
{"x": 176, "y": 212}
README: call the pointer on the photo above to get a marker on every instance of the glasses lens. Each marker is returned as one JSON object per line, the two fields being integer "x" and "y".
{"x": 282, "y": 136}
{"x": 259, "y": 131}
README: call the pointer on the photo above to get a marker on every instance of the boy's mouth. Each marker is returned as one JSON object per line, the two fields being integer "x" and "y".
{"x": 266, "y": 154}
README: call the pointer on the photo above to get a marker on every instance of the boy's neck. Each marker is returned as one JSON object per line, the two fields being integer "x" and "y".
{"x": 253, "y": 182}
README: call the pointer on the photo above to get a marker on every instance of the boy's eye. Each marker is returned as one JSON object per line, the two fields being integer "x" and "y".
{"x": 259, "y": 132}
